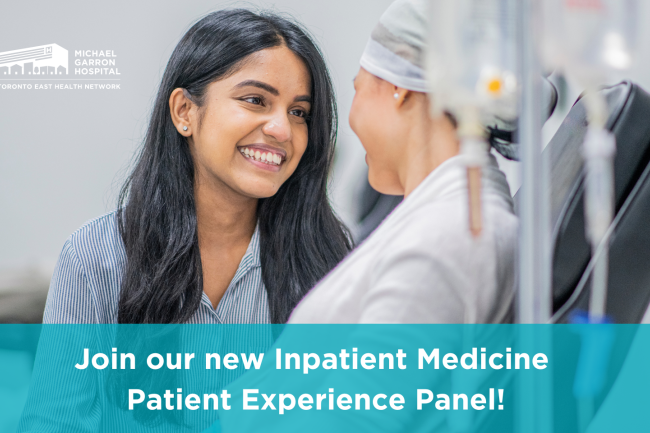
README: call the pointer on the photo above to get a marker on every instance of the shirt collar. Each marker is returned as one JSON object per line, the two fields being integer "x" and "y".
{"x": 253, "y": 249}
{"x": 250, "y": 260}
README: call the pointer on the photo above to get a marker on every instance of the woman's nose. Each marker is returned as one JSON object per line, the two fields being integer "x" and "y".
{"x": 278, "y": 127}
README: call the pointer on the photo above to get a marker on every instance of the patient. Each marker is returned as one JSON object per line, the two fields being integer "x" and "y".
{"x": 422, "y": 264}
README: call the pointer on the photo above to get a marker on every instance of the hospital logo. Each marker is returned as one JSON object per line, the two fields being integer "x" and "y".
{"x": 42, "y": 60}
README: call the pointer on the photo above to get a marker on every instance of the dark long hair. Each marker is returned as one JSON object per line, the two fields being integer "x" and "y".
{"x": 300, "y": 237}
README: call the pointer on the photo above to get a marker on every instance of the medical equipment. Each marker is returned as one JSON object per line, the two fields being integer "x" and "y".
{"x": 628, "y": 108}
{"x": 471, "y": 68}
{"x": 590, "y": 41}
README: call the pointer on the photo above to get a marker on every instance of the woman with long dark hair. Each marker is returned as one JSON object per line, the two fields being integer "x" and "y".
{"x": 225, "y": 217}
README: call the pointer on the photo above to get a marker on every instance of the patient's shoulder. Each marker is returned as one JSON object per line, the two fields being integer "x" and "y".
{"x": 442, "y": 227}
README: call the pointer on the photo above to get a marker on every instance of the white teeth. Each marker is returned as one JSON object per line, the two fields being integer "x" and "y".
{"x": 267, "y": 158}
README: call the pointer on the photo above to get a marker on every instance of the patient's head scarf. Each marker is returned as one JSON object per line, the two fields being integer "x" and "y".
{"x": 396, "y": 49}
{"x": 396, "y": 53}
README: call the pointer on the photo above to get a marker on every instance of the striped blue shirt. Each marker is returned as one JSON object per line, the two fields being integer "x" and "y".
{"x": 85, "y": 286}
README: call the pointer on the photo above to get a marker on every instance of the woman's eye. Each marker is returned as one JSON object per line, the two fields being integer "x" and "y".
{"x": 300, "y": 113}
{"x": 254, "y": 100}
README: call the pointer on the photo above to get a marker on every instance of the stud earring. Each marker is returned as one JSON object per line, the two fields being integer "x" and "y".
{"x": 396, "y": 95}
{"x": 184, "y": 128}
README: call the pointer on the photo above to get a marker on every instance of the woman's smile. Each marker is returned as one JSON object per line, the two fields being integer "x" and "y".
{"x": 263, "y": 156}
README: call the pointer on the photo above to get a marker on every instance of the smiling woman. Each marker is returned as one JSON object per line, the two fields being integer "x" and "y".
{"x": 225, "y": 217}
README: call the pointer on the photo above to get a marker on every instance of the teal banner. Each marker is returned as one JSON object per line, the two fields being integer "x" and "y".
{"x": 324, "y": 378}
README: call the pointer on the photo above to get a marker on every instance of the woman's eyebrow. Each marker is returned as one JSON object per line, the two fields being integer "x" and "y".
{"x": 272, "y": 90}
{"x": 303, "y": 98}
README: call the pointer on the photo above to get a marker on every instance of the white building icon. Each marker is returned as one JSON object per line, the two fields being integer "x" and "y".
{"x": 42, "y": 60}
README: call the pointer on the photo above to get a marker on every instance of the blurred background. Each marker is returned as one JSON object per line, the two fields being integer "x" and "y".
{"x": 65, "y": 153}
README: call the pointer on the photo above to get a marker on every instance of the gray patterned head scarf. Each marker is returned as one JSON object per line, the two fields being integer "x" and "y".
{"x": 396, "y": 49}
{"x": 395, "y": 53}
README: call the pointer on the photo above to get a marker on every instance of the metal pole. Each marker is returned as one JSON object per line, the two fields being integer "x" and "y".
{"x": 534, "y": 300}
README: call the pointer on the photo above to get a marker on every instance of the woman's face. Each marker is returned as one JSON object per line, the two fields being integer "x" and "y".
{"x": 251, "y": 131}
{"x": 373, "y": 119}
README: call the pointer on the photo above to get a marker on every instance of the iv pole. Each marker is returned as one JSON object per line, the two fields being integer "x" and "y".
{"x": 534, "y": 300}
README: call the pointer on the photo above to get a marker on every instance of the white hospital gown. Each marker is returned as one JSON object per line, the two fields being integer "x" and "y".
{"x": 422, "y": 265}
